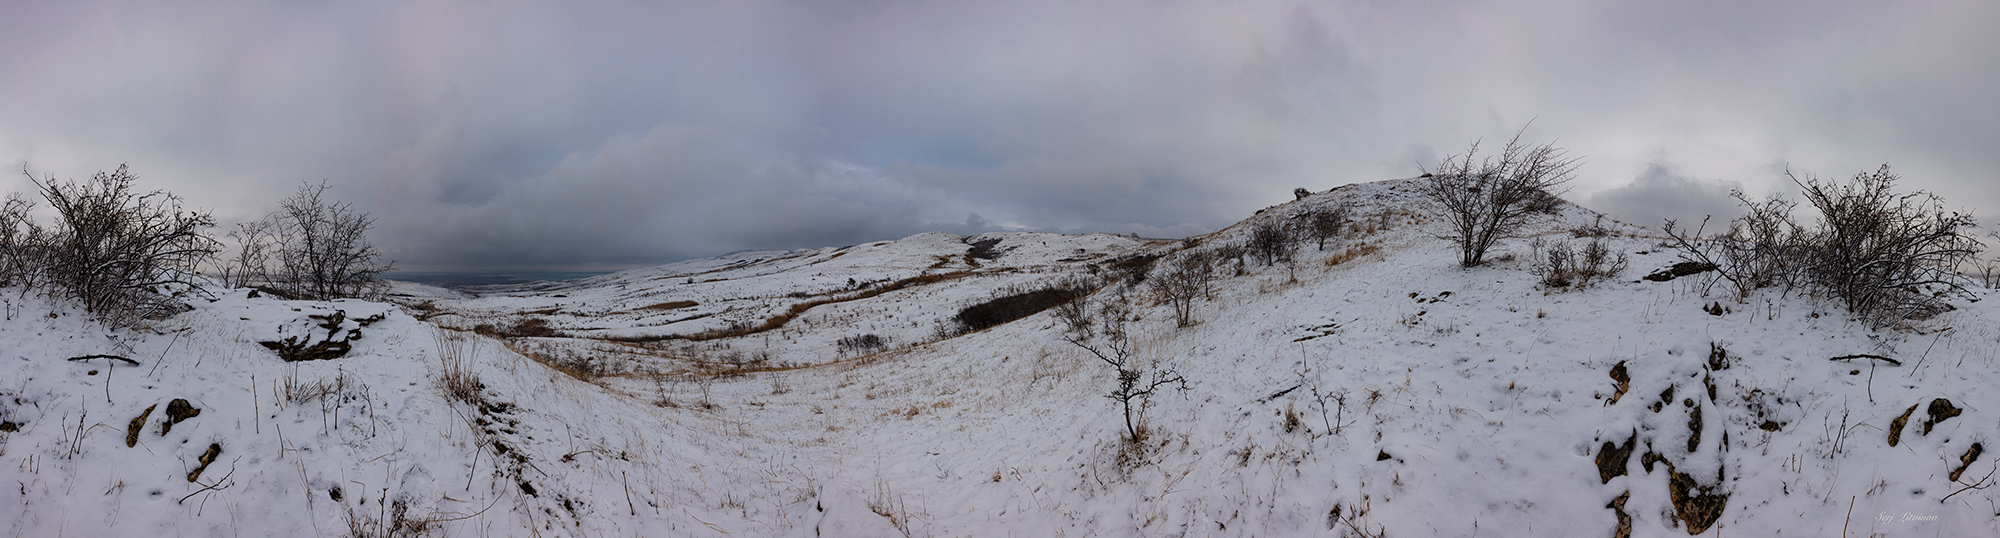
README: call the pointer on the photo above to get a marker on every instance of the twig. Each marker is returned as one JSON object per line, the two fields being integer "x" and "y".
{"x": 1927, "y": 350}
{"x": 1866, "y": 356}
{"x": 1850, "y": 516}
{"x": 217, "y": 485}
{"x": 88, "y": 357}
{"x": 1974, "y": 485}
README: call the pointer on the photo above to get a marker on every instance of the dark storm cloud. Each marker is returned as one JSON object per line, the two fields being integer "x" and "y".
{"x": 495, "y": 134}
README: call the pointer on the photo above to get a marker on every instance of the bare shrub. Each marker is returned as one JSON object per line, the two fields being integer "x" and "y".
{"x": 1184, "y": 280}
{"x": 1325, "y": 222}
{"x": 116, "y": 251}
{"x": 255, "y": 243}
{"x": 1231, "y": 254}
{"x": 1485, "y": 201}
{"x": 1989, "y": 274}
{"x": 1102, "y": 331}
{"x": 1889, "y": 256}
{"x": 862, "y": 344}
{"x": 1886, "y": 256}
{"x": 1563, "y": 266}
{"x": 1762, "y": 248}
{"x": 1271, "y": 242}
{"x": 21, "y": 241}
{"x": 310, "y": 247}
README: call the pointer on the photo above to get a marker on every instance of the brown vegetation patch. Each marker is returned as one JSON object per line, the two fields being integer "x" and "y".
{"x": 1896, "y": 426}
{"x": 1966, "y": 460}
{"x": 670, "y": 305}
{"x": 1351, "y": 252}
{"x": 138, "y": 423}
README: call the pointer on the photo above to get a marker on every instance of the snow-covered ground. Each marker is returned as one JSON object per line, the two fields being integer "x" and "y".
{"x": 1391, "y": 392}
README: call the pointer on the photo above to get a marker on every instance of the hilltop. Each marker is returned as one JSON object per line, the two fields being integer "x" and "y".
{"x": 1370, "y": 387}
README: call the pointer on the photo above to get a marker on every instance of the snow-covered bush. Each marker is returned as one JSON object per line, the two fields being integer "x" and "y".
{"x": 20, "y": 238}
{"x": 1886, "y": 256}
{"x": 116, "y": 251}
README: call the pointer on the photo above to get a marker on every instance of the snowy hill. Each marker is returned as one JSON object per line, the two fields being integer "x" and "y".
{"x": 1371, "y": 387}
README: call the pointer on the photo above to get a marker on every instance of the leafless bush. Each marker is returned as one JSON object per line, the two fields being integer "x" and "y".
{"x": 1489, "y": 200}
{"x": 1887, "y": 256}
{"x": 1563, "y": 266}
{"x": 255, "y": 242}
{"x": 311, "y": 248}
{"x": 1989, "y": 274}
{"x": 1231, "y": 254}
{"x": 1184, "y": 280}
{"x": 1271, "y": 242}
{"x": 862, "y": 344}
{"x": 21, "y": 241}
{"x": 116, "y": 251}
{"x": 1102, "y": 331}
{"x": 1325, "y": 222}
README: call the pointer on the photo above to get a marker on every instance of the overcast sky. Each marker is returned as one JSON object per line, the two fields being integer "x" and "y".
{"x": 599, "y": 135}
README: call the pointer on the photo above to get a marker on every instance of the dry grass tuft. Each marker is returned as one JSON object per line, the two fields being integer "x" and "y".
{"x": 1351, "y": 252}
{"x": 456, "y": 379}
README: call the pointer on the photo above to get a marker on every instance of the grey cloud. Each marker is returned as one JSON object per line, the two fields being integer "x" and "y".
{"x": 615, "y": 134}
{"x": 1661, "y": 193}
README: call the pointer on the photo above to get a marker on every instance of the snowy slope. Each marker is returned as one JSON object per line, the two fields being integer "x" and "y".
{"x": 1427, "y": 400}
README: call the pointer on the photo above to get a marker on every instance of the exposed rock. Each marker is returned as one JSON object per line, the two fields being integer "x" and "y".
{"x": 1694, "y": 428}
{"x": 1617, "y": 506}
{"x": 177, "y": 411}
{"x": 311, "y": 346}
{"x": 1940, "y": 410}
{"x": 1680, "y": 270}
{"x": 1698, "y": 506}
{"x": 1611, "y": 458}
{"x": 1624, "y": 380}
